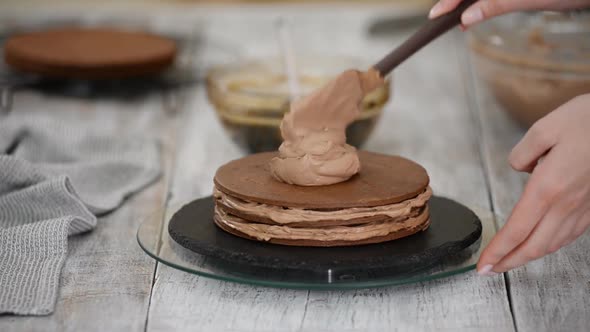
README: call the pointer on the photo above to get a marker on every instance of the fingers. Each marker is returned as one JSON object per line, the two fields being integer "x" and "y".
{"x": 554, "y": 208}
{"x": 537, "y": 244}
{"x": 565, "y": 231}
{"x": 580, "y": 228}
{"x": 442, "y": 7}
{"x": 485, "y": 9}
{"x": 535, "y": 144}
{"x": 530, "y": 209}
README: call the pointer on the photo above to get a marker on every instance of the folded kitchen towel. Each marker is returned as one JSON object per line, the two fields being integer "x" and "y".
{"x": 55, "y": 178}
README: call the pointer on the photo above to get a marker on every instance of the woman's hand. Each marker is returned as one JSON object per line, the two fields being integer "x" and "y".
{"x": 485, "y": 9}
{"x": 554, "y": 208}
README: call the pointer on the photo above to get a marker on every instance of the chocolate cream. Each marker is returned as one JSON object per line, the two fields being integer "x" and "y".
{"x": 286, "y": 216}
{"x": 314, "y": 150}
{"x": 265, "y": 232}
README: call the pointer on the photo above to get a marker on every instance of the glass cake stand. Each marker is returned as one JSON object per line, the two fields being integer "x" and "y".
{"x": 154, "y": 239}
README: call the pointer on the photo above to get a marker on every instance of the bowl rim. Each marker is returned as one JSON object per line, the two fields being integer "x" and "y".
{"x": 246, "y": 61}
{"x": 480, "y": 41}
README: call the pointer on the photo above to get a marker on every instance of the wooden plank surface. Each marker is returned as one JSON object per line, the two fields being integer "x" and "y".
{"x": 553, "y": 293}
{"x": 428, "y": 121}
{"x": 106, "y": 280}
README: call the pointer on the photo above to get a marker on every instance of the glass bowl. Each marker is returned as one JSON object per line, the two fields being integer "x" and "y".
{"x": 251, "y": 97}
{"x": 533, "y": 63}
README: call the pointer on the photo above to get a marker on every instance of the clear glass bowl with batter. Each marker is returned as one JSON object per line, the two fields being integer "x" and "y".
{"x": 251, "y": 97}
{"x": 533, "y": 63}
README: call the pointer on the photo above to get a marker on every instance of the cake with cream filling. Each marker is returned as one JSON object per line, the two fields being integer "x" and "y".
{"x": 317, "y": 190}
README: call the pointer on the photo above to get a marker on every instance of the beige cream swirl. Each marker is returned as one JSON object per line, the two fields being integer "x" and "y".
{"x": 314, "y": 150}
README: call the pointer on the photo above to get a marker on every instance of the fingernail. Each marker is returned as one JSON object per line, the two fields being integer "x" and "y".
{"x": 486, "y": 270}
{"x": 435, "y": 10}
{"x": 471, "y": 16}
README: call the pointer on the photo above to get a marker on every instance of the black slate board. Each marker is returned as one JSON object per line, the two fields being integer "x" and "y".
{"x": 453, "y": 229}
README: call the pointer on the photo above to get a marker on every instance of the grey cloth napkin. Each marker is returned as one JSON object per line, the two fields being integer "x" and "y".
{"x": 55, "y": 178}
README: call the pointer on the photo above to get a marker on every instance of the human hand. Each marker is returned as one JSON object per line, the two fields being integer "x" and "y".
{"x": 554, "y": 208}
{"x": 485, "y": 9}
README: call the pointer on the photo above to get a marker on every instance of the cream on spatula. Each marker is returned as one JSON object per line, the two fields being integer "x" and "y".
{"x": 314, "y": 150}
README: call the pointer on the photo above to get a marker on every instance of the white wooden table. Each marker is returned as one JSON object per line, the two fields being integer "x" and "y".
{"x": 440, "y": 116}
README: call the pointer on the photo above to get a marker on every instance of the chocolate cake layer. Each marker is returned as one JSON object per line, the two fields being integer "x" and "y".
{"x": 382, "y": 180}
{"x": 89, "y": 53}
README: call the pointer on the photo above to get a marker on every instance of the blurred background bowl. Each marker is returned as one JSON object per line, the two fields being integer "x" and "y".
{"x": 251, "y": 97}
{"x": 533, "y": 63}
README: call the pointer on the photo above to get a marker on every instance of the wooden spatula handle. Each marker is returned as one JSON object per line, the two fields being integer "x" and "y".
{"x": 430, "y": 31}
